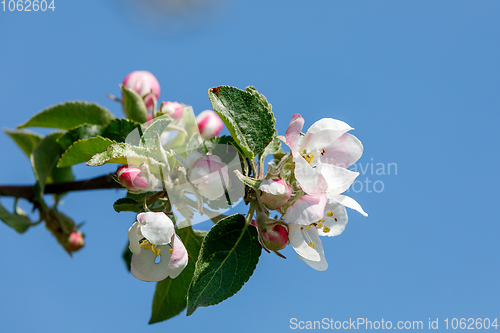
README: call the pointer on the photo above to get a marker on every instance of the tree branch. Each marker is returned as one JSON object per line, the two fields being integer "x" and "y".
{"x": 27, "y": 192}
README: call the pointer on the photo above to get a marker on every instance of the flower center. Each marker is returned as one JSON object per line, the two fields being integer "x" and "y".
{"x": 309, "y": 157}
{"x": 148, "y": 246}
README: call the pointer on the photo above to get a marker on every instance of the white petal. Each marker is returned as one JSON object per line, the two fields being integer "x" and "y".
{"x": 348, "y": 202}
{"x": 144, "y": 268}
{"x": 134, "y": 236}
{"x": 179, "y": 258}
{"x": 310, "y": 179}
{"x": 274, "y": 187}
{"x": 338, "y": 179}
{"x": 343, "y": 152}
{"x": 293, "y": 131}
{"x": 323, "y": 133}
{"x": 306, "y": 210}
{"x": 335, "y": 223}
{"x": 192, "y": 159}
{"x": 299, "y": 244}
{"x": 156, "y": 227}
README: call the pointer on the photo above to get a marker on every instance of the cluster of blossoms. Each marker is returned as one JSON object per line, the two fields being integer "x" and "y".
{"x": 304, "y": 186}
{"x": 308, "y": 192}
{"x": 205, "y": 174}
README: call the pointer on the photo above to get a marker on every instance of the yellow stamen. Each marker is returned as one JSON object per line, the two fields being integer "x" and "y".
{"x": 143, "y": 243}
{"x": 330, "y": 214}
{"x": 312, "y": 244}
{"x": 308, "y": 227}
{"x": 326, "y": 229}
{"x": 171, "y": 251}
{"x": 158, "y": 252}
{"x": 147, "y": 247}
{"x": 321, "y": 221}
{"x": 309, "y": 158}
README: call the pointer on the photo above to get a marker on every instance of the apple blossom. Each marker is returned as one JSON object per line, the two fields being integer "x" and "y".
{"x": 322, "y": 156}
{"x": 152, "y": 236}
{"x": 209, "y": 124}
{"x": 209, "y": 174}
{"x": 275, "y": 238}
{"x": 132, "y": 178}
{"x": 143, "y": 82}
{"x": 275, "y": 193}
{"x": 173, "y": 109}
{"x": 304, "y": 237}
{"x": 75, "y": 241}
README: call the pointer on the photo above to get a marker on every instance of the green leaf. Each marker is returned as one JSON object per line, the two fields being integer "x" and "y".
{"x": 69, "y": 115}
{"x": 26, "y": 140}
{"x": 170, "y": 296}
{"x": 128, "y": 205}
{"x": 82, "y": 132}
{"x": 44, "y": 158}
{"x": 124, "y": 153}
{"x": 247, "y": 115}
{"x": 18, "y": 222}
{"x": 229, "y": 254}
{"x": 134, "y": 106}
{"x": 83, "y": 150}
{"x": 117, "y": 130}
{"x": 272, "y": 148}
{"x": 154, "y": 129}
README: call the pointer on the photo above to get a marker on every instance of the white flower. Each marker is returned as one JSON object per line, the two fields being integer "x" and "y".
{"x": 157, "y": 251}
{"x": 322, "y": 156}
{"x": 304, "y": 237}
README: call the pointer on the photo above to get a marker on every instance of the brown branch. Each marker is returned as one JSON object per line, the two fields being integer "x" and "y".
{"x": 27, "y": 192}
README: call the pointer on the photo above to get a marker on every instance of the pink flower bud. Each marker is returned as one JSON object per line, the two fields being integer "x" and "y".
{"x": 173, "y": 109}
{"x": 275, "y": 238}
{"x": 275, "y": 193}
{"x": 132, "y": 178}
{"x": 143, "y": 82}
{"x": 209, "y": 124}
{"x": 209, "y": 174}
{"x": 75, "y": 241}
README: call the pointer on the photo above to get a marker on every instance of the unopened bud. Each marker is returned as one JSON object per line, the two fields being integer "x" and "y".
{"x": 275, "y": 237}
{"x": 173, "y": 109}
{"x": 143, "y": 82}
{"x": 209, "y": 174}
{"x": 275, "y": 193}
{"x": 75, "y": 241}
{"x": 132, "y": 178}
{"x": 209, "y": 124}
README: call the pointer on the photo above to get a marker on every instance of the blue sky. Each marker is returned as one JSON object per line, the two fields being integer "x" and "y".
{"x": 418, "y": 80}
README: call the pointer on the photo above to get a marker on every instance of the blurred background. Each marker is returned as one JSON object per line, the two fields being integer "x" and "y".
{"x": 419, "y": 82}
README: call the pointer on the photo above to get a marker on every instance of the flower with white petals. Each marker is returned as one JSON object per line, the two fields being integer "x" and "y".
{"x": 304, "y": 237}
{"x": 321, "y": 157}
{"x": 157, "y": 251}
